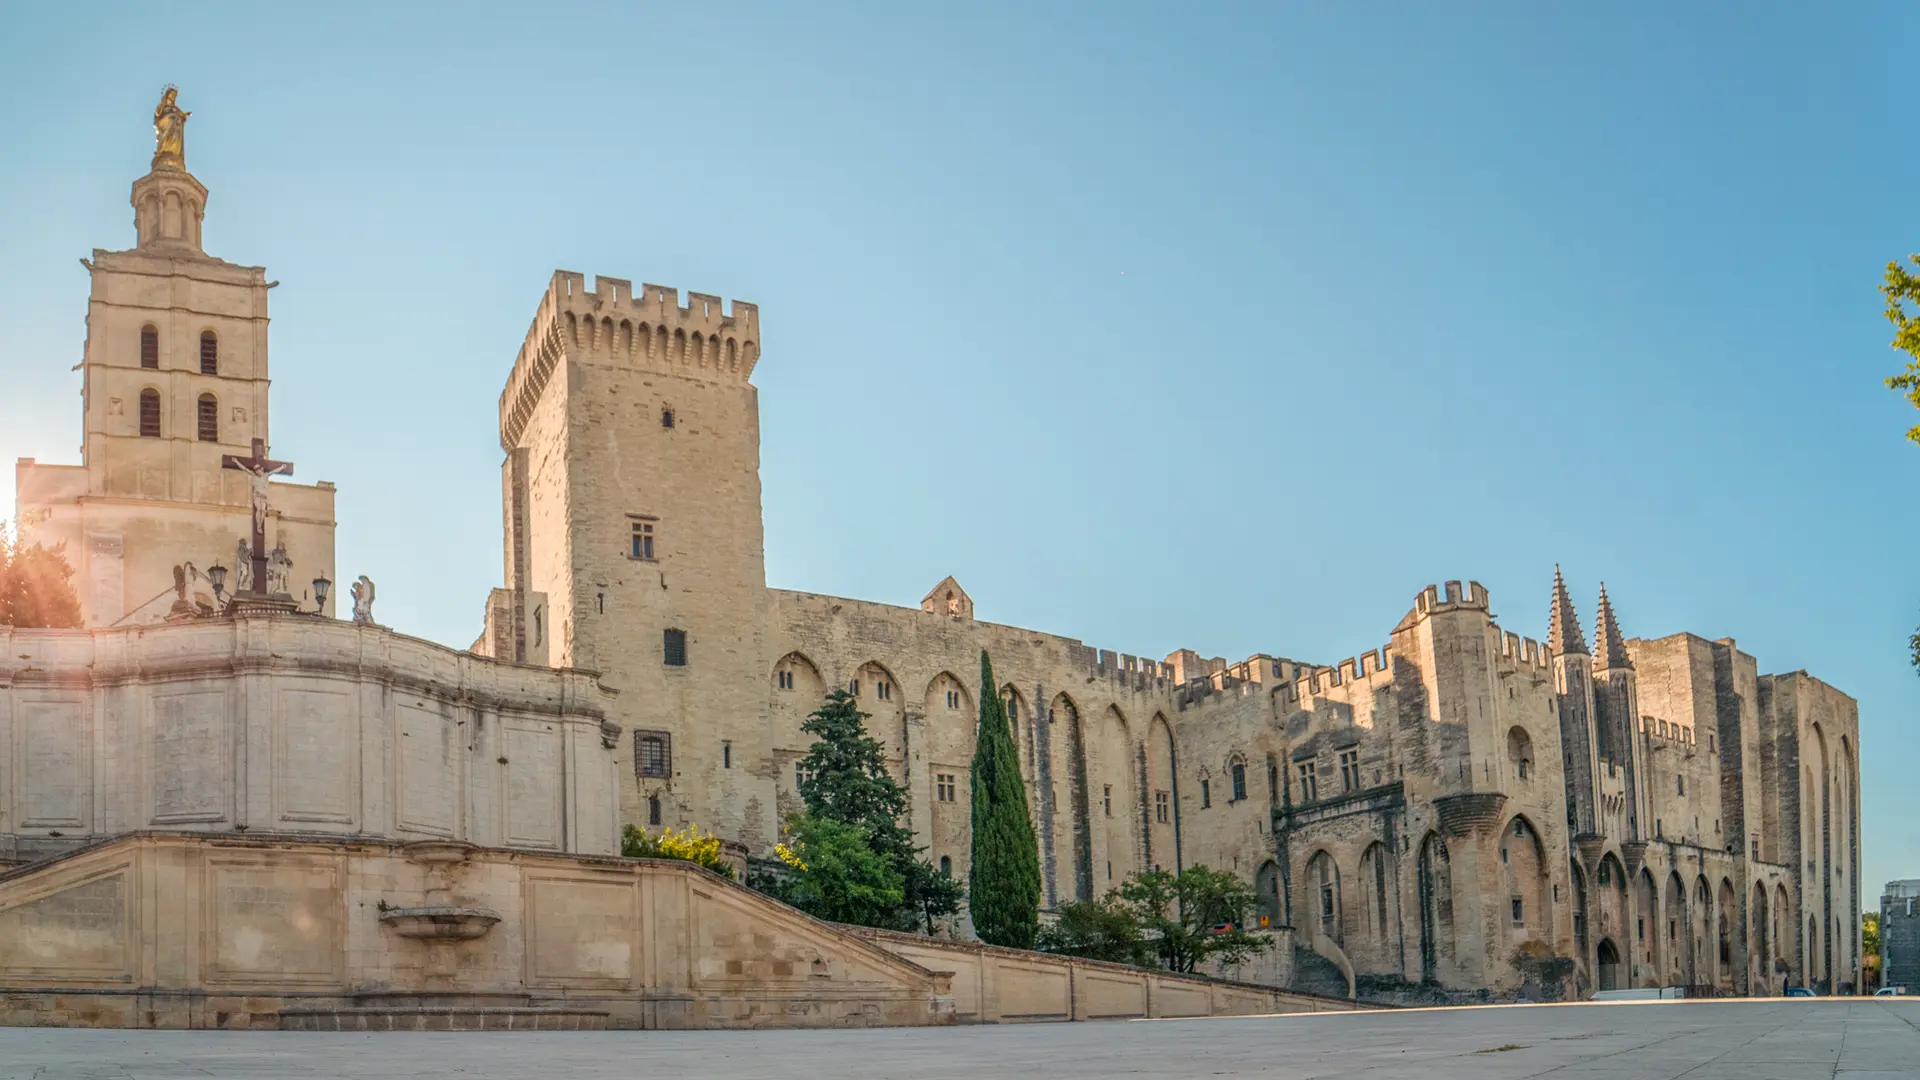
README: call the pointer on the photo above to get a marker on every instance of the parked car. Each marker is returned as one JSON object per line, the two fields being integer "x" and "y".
{"x": 1800, "y": 991}
{"x": 1890, "y": 991}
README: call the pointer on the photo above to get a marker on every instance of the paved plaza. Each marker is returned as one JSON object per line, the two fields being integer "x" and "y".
{"x": 1778, "y": 1040}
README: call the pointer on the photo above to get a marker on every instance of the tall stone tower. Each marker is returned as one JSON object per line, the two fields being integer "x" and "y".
{"x": 1616, "y": 696}
{"x": 174, "y": 376}
{"x": 631, "y": 491}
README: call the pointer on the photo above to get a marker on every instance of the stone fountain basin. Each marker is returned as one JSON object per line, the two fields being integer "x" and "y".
{"x": 440, "y": 923}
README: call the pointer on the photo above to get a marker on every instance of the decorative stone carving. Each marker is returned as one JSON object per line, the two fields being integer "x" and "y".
{"x": 440, "y": 923}
{"x": 362, "y": 591}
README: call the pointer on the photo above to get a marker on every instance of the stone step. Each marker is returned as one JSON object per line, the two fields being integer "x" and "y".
{"x": 443, "y": 1019}
{"x": 1315, "y": 974}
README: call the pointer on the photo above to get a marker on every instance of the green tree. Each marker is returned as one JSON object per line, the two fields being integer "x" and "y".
{"x": 1870, "y": 947}
{"x": 1197, "y": 915}
{"x": 836, "y": 873}
{"x": 1101, "y": 929}
{"x": 690, "y": 846}
{"x": 1003, "y": 878}
{"x": 1902, "y": 287}
{"x": 847, "y": 781}
{"x": 36, "y": 586}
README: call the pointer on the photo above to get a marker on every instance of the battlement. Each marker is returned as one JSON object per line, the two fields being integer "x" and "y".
{"x": 651, "y": 327}
{"x": 1141, "y": 674}
{"x": 1432, "y": 602}
{"x": 1363, "y": 668}
{"x": 1658, "y": 729}
{"x": 1524, "y": 651}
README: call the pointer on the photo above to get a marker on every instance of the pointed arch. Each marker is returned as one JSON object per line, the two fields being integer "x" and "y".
{"x": 1321, "y": 898}
{"x": 878, "y": 694}
{"x": 1160, "y": 803}
{"x": 1112, "y": 763}
{"x": 680, "y": 346}
{"x": 1523, "y": 862}
{"x": 1646, "y": 930}
{"x": 1376, "y": 912}
{"x": 951, "y": 718}
{"x": 1066, "y": 763}
{"x": 1020, "y": 718}
{"x": 1434, "y": 875}
{"x": 1675, "y": 934}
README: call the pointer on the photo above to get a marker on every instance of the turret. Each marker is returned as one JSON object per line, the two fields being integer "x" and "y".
{"x": 1617, "y": 702}
{"x": 1573, "y": 689}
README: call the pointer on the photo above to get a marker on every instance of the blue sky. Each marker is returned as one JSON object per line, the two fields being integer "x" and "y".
{"x": 1162, "y": 326}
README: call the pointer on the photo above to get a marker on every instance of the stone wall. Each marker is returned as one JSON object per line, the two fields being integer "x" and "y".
{"x": 1900, "y": 935}
{"x": 995, "y": 986}
{"x": 289, "y": 723}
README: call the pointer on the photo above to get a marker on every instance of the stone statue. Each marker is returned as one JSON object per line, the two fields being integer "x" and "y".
{"x": 180, "y": 582}
{"x": 243, "y": 567}
{"x": 170, "y": 131}
{"x": 363, "y": 600}
{"x": 279, "y": 569}
{"x": 257, "y": 496}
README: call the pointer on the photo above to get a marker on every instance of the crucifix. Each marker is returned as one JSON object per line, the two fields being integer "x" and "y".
{"x": 258, "y": 468}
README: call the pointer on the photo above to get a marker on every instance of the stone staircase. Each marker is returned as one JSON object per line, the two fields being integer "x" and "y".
{"x": 1315, "y": 974}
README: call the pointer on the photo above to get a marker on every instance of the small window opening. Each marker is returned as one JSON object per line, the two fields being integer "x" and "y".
{"x": 149, "y": 414}
{"x": 149, "y": 347}
{"x": 209, "y": 354}
{"x": 653, "y": 809}
{"x": 1239, "y": 781}
{"x": 642, "y": 541}
{"x": 209, "y": 419}
{"x": 1206, "y": 793}
{"x": 946, "y": 866}
{"x": 666, "y": 417}
{"x": 674, "y": 648}
{"x": 1106, "y": 799}
{"x": 785, "y": 679}
{"x": 726, "y": 754}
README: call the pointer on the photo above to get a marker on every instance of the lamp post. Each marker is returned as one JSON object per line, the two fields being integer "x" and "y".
{"x": 217, "y": 574}
{"x": 320, "y": 587}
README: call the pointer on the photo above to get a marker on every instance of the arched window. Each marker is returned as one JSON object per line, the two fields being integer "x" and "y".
{"x": 209, "y": 419}
{"x": 1239, "y": 780}
{"x": 149, "y": 414}
{"x": 946, "y": 866}
{"x": 653, "y": 809}
{"x": 149, "y": 347}
{"x": 1520, "y": 751}
{"x": 209, "y": 353}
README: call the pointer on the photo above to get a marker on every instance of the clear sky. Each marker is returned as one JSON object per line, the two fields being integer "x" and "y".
{"x": 1160, "y": 326}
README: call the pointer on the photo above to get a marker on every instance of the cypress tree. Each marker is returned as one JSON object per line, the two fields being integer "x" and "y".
{"x": 1003, "y": 883}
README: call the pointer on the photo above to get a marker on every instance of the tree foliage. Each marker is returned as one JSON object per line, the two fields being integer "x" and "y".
{"x": 836, "y": 873}
{"x": 846, "y": 781}
{"x": 1901, "y": 288}
{"x": 1003, "y": 877}
{"x": 36, "y": 586}
{"x": 690, "y": 846}
{"x": 1158, "y": 918}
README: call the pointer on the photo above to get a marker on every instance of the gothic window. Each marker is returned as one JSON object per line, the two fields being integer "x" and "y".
{"x": 953, "y": 699}
{"x": 946, "y": 866}
{"x": 726, "y": 755}
{"x": 149, "y": 414}
{"x": 1309, "y": 784}
{"x": 785, "y": 679}
{"x": 653, "y": 809}
{"x": 1206, "y": 793}
{"x": 209, "y": 354}
{"x": 1349, "y": 770}
{"x": 853, "y": 687}
{"x": 1160, "y": 808}
{"x": 1606, "y": 873}
{"x": 1106, "y": 799}
{"x": 1519, "y": 911}
{"x": 149, "y": 347}
{"x": 209, "y": 419}
{"x": 1239, "y": 773}
{"x": 883, "y": 689}
{"x": 642, "y": 541}
{"x": 1681, "y": 783}
{"x": 1273, "y": 780}
{"x": 666, "y": 417}
{"x": 674, "y": 648}
{"x": 652, "y": 757}
{"x": 944, "y": 786}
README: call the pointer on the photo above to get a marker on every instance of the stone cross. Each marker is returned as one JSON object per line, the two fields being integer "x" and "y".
{"x": 258, "y": 468}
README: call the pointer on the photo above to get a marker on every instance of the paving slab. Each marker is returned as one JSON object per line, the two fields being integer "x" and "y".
{"x": 1800, "y": 1039}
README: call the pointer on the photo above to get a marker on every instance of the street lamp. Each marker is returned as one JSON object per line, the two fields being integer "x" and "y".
{"x": 320, "y": 587}
{"x": 218, "y": 575}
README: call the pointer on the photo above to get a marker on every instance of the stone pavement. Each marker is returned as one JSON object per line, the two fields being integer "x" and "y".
{"x": 1857, "y": 1039}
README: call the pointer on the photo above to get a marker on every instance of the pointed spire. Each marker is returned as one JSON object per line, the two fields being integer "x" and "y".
{"x": 1563, "y": 623}
{"x": 1609, "y": 648}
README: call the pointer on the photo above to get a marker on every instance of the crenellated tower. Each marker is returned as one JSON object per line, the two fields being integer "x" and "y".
{"x": 1573, "y": 690}
{"x": 633, "y": 543}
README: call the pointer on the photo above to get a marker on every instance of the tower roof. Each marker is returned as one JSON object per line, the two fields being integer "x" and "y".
{"x": 1610, "y": 649}
{"x": 1563, "y": 623}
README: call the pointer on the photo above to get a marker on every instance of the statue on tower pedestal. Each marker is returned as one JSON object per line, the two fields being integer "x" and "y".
{"x": 170, "y": 132}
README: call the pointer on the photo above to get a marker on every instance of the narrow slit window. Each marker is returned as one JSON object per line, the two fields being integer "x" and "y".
{"x": 209, "y": 354}
{"x": 209, "y": 419}
{"x": 149, "y": 347}
{"x": 149, "y": 414}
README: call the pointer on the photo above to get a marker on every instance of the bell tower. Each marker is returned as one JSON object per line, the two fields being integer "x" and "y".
{"x": 174, "y": 378}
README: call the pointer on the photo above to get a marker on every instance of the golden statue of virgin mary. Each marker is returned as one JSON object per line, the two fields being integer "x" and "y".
{"x": 170, "y": 132}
